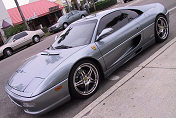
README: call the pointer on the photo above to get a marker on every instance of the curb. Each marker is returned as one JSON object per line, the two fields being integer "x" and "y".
{"x": 125, "y": 79}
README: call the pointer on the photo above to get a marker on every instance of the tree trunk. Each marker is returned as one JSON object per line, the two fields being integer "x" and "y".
{"x": 94, "y": 5}
{"x": 22, "y": 16}
{"x": 69, "y": 9}
{"x": 121, "y": 1}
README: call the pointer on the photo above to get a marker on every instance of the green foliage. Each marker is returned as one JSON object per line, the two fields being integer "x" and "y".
{"x": 103, "y": 5}
{"x": 45, "y": 29}
{"x": 14, "y": 30}
{"x": 47, "y": 34}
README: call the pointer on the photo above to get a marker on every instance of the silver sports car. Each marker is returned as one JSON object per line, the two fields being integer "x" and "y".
{"x": 87, "y": 51}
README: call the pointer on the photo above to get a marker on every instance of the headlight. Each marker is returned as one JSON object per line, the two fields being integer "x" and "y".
{"x": 57, "y": 25}
{"x": 28, "y": 104}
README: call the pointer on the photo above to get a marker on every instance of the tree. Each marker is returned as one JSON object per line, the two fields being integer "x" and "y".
{"x": 21, "y": 13}
{"x": 69, "y": 9}
{"x": 121, "y": 1}
{"x": 93, "y": 2}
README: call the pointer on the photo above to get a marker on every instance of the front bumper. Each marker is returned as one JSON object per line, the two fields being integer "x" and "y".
{"x": 43, "y": 102}
{"x": 1, "y": 54}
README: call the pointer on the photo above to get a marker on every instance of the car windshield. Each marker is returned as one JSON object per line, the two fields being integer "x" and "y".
{"x": 10, "y": 39}
{"x": 76, "y": 35}
{"x": 62, "y": 17}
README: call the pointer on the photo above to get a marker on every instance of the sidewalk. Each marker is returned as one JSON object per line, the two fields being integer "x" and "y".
{"x": 149, "y": 91}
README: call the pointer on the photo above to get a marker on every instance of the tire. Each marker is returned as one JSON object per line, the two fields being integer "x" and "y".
{"x": 36, "y": 39}
{"x": 161, "y": 28}
{"x": 84, "y": 79}
{"x": 65, "y": 25}
{"x": 8, "y": 52}
{"x": 82, "y": 16}
{"x": 125, "y": 1}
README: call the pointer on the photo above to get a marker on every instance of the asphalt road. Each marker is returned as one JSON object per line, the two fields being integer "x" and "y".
{"x": 70, "y": 109}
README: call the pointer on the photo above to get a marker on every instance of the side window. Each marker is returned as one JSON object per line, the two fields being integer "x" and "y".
{"x": 131, "y": 14}
{"x": 69, "y": 14}
{"x": 24, "y": 34}
{"x": 75, "y": 12}
{"x": 20, "y": 35}
{"x": 114, "y": 20}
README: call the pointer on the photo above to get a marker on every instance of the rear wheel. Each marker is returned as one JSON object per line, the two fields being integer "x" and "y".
{"x": 65, "y": 25}
{"x": 82, "y": 16}
{"x": 161, "y": 28}
{"x": 84, "y": 79}
{"x": 8, "y": 52}
{"x": 36, "y": 39}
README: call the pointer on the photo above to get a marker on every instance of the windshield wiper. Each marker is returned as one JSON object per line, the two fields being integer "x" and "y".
{"x": 62, "y": 37}
{"x": 51, "y": 47}
{"x": 62, "y": 47}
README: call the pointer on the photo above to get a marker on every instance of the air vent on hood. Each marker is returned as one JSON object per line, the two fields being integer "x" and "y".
{"x": 49, "y": 53}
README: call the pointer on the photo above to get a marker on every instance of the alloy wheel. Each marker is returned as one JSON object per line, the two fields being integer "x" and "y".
{"x": 162, "y": 28}
{"x": 86, "y": 79}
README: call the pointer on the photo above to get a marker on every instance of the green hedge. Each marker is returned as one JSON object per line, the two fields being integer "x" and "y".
{"x": 103, "y": 5}
{"x": 14, "y": 30}
{"x": 45, "y": 29}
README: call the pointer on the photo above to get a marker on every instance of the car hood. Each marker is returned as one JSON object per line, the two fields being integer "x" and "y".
{"x": 55, "y": 25}
{"x": 36, "y": 69}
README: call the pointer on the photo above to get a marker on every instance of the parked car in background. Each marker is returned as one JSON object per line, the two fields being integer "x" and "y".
{"x": 19, "y": 40}
{"x": 67, "y": 19}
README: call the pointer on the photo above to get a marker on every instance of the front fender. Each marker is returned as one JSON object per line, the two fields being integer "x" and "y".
{"x": 61, "y": 73}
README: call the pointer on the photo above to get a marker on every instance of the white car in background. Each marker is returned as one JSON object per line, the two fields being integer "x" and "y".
{"x": 19, "y": 40}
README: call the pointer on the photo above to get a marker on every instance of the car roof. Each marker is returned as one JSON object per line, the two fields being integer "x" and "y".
{"x": 101, "y": 14}
{"x": 96, "y": 16}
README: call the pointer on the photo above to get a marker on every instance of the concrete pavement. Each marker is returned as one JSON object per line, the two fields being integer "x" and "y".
{"x": 149, "y": 91}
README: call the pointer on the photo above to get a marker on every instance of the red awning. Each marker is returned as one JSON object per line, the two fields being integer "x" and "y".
{"x": 32, "y": 10}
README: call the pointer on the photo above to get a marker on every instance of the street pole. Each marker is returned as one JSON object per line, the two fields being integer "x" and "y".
{"x": 21, "y": 13}
{"x": 94, "y": 5}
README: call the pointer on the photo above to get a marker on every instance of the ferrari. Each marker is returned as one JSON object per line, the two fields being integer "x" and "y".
{"x": 87, "y": 51}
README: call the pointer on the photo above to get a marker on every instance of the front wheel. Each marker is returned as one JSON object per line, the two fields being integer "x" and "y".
{"x": 84, "y": 79}
{"x": 8, "y": 52}
{"x": 161, "y": 28}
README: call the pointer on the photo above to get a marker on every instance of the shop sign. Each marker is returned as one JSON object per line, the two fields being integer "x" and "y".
{"x": 53, "y": 9}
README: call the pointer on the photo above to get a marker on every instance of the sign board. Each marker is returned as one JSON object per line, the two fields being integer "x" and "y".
{"x": 54, "y": 9}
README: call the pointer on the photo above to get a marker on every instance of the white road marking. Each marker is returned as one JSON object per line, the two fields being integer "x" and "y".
{"x": 114, "y": 78}
{"x": 28, "y": 58}
{"x": 141, "y": 0}
{"x": 172, "y": 9}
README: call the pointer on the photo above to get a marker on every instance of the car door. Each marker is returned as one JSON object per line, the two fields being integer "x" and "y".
{"x": 76, "y": 15}
{"x": 68, "y": 18}
{"x": 20, "y": 40}
{"x": 115, "y": 46}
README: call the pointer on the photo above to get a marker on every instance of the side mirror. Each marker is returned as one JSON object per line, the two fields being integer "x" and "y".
{"x": 104, "y": 33}
{"x": 14, "y": 40}
{"x": 56, "y": 38}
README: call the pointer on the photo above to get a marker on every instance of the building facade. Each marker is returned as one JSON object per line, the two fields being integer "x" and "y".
{"x": 38, "y": 14}
{"x": 5, "y": 20}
